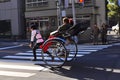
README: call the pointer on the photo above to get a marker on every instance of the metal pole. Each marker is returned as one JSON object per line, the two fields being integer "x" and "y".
{"x": 59, "y": 12}
{"x": 73, "y": 11}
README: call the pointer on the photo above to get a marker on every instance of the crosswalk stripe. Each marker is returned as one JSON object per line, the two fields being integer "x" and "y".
{"x": 8, "y": 66}
{"x": 84, "y": 49}
{"x": 10, "y": 47}
{"x": 28, "y": 54}
{"x": 21, "y": 57}
{"x": 23, "y": 61}
{"x": 16, "y": 74}
{"x": 31, "y": 54}
{"x": 95, "y": 45}
{"x": 84, "y": 52}
{"x": 38, "y": 50}
{"x": 89, "y": 50}
{"x": 7, "y": 69}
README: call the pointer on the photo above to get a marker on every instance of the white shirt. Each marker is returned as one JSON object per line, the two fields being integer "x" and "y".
{"x": 35, "y": 34}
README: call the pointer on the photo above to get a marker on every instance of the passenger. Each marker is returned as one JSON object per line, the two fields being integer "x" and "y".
{"x": 62, "y": 30}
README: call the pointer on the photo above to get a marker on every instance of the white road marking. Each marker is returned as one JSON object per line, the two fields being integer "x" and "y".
{"x": 10, "y": 47}
{"x": 28, "y": 54}
{"x": 21, "y": 57}
{"x": 84, "y": 49}
{"x": 8, "y": 66}
{"x": 20, "y": 70}
{"x": 16, "y": 74}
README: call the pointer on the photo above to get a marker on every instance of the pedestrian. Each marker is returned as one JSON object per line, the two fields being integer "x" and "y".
{"x": 36, "y": 40}
{"x": 104, "y": 33}
{"x": 95, "y": 33}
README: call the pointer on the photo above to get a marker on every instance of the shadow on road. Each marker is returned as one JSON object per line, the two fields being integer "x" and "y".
{"x": 101, "y": 65}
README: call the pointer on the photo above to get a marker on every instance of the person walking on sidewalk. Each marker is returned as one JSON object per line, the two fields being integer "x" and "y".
{"x": 95, "y": 32}
{"x": 104, "y": 33}
{"x": 36, "y": 40}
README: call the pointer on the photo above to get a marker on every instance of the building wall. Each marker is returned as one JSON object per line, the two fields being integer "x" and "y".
{"x": 96, "y": 8}
{"x": 101, "y": 18}
{"x": 93, "y": 12}
{"x": 45, "y": 16}
{"x": 12, "y": 11}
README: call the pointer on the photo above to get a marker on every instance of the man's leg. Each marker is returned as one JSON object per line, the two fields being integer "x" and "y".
{"x": 36, "y": 46}
{"x": 34, "y": 53}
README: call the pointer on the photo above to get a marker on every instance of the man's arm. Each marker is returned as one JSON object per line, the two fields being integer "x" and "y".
{"x": 33, "y": 33}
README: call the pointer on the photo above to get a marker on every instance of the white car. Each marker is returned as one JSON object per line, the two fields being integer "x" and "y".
{"x": 116, "y": 28}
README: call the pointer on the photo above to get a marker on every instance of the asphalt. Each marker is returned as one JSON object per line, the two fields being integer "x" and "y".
{"x": 105, "y": 65}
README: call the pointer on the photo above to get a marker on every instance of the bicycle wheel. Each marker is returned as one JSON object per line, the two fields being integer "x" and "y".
{"x": 53, "y": 57}
{"x": 71, "y": 50}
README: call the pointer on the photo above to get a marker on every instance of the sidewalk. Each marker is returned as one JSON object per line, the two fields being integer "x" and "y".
{"x": 111, "y": 38}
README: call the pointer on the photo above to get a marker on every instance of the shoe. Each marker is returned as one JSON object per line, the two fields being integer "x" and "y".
{"x": 33, "y": 59}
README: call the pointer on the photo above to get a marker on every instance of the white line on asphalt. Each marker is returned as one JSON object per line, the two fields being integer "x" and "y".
{"x": 89, "y": 50}
{"x": 22, "y": 61}
{"x": 16, "y": 74}
{"x": 38, "y": 54}
{"x": 10, "y": 47}
{"x": 83, "y": 52}
{"x": 28, "y": 54}
{"x": 21, "y": 57}
{"x": 21, "y": 67}
{"x": 98, "y": 46}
